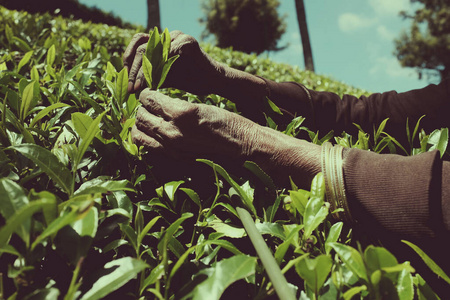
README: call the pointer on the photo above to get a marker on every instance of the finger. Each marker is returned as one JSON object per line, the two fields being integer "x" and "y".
{"x": 128, "y": 56}
{"x": 142, "y": 139}
{"x": 151, "y": 125}
{"x": 140, "y": 80}
{"x": 135, "y": 67}
{"x": 163, "y": 105}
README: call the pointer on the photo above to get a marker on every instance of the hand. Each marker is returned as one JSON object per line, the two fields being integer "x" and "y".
{"x": 182, "y": 130}
{"x": 194, "y": 71}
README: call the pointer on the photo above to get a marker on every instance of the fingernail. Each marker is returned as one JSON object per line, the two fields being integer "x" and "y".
{"x": 130, "y": 86}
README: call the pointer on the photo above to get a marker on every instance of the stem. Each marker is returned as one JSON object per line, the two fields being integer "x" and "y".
{"x": 73, "y": 283}
{"x": 217, "y": 193}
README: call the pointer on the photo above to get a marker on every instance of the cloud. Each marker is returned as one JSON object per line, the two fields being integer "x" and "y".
{"x": 349, "y": 22}
{"x": 389, "y": 7}
{"x": 385, "y": 33}
{"x": 390, "y": 66}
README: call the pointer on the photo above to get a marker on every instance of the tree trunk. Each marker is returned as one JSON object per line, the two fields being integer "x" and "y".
{"x": 153, "y": 18}
{"x": 307, "y": 52}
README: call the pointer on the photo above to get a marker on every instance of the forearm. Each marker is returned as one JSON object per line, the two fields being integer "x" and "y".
{"x": 282, "y": 157}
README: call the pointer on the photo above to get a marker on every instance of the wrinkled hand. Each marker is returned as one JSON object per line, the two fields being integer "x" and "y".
{"x": 180, "y": 129}
{"x": 186, "y": 130}
{"x": 194, "y": 71}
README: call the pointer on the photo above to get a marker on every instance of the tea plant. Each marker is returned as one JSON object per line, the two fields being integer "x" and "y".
{"x": 85, "y": 215}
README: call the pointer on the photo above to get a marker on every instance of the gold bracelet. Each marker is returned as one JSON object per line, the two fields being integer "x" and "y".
{"x": 333, "y": 174}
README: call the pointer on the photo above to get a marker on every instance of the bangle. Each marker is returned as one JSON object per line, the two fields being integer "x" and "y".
{"x": 333, "y": 174}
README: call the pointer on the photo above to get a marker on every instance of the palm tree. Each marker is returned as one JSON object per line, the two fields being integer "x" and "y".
{"x": 154, "y": 18}
{"x": 303, "y": 26}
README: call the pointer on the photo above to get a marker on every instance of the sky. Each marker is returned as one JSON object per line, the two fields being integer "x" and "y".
{"x": 352, "y": 40}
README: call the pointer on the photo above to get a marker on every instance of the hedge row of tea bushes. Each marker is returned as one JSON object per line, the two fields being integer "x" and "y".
{"x": 86, "y": 215}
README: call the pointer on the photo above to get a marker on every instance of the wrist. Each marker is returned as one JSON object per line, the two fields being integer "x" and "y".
{"x": 240, "y": 86}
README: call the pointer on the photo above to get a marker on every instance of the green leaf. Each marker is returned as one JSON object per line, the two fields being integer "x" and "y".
{"x": 193, "y": 196}
{"x": 166, "y": 39}
{"x": 48, "y": 163}
{"x": 46, "y": 111}
{"x": 170, "y": 189}
{"x": 64, "y": 220}
{"x": 86, "y": 225}
{"x": 273, "y": 270}
{"x": 121, "y": 86}
{"x": 352, "y": 258}
{"x": 100, "y": 185}
{"x": 315, "y": 214}
{"x": 21, "y": 44}
{"x": 348, "y": 295}
{"x": 87, "y": 139}
{"x": 223, "y": 274}
{"x": 25, "y": 59}
{"x": 9, "y": 33}
{"x": 439, "y": 140}
{"x": 273, "y": 106}
{"x": 333, "y": 236}
{"x": 156, "y": 274}
{"x": 314, "y": 271}
{"x": 258, "y": 172}
{"x": 147, "y": 68}
{"x": 27, "y": 100}
{"x": 22, "y": 215}
{"x": 318, "y": 186}
{"x": 299, "y": 200}
{"x": 223, "y": 244}
{"x": 243, "y": 193}
{"x": 227, "y": 230}
{"x": 405, "y": 288}
{"x": 81, "y": 122}
{"x": 146, "y": 229}
{"x": 429, "y": 262}
{"x": 51, "y": 55}
{"x": 166, "y": 69}
{"x": 12, "y": 199}
{"x": 162, "y": 245}
{"x": 377, "y": 258}
{"x": 117, "y": 273}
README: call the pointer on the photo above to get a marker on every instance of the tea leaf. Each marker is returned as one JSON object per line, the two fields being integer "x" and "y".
{"x": 314, "y": 271}
{"x": 46, "y": 111}
{"x": 121, "y": 86}
{"x": 87, "y": 139}
{"x": 315, "y": 214}
{"x": 22, "y": 215}
{"x": 352, "y": 258}
{"x": 25, "y": 59}
{"x": 429, "y": 262}
{"x": 12, "y": 199}
{"x": 223, "y": 274}
{"x": 117, "y": 273}
{"x": 405, "y": 288}
{"x": 51, "y": 55}
{"x": 48, "y": 163}
{"x": 333, "y": 236}
{"x": 166, "y": 69}
{"x": 27, "y": 99}
{"x": 147, "y": 69}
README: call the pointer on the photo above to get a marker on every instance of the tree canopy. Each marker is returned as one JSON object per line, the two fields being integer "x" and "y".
{"x": 251, "y": 26}
{"x": 426, "y": 46}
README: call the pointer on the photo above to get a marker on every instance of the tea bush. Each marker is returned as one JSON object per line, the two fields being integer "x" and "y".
{"x": 85, "y": 215}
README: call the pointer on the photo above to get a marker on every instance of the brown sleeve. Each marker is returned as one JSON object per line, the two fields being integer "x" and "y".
{"x": 327, "y": 111}
{"x": 396, "y": 198}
